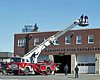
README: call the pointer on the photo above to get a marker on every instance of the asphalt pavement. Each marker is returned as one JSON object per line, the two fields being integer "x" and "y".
{"x": 51, "y": 77}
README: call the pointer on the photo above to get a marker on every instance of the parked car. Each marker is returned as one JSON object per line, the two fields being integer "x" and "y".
{"x": 3, "y": 67}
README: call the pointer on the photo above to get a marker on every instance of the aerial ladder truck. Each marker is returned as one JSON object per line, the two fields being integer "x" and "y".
{"x": 29, "y": 64}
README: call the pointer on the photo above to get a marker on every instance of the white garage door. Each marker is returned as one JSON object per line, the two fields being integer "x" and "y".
{"x": 86, "y": 63}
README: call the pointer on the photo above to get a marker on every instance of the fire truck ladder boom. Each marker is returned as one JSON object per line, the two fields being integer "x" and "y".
{"x": 34, "y": 53}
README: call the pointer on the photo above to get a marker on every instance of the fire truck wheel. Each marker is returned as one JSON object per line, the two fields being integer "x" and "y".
{"x": 48, "y": 71}
{"x": 26, "y": 72}
{"x": 4, "y": 72}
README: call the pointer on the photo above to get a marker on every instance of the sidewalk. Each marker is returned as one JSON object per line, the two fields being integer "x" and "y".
{"x": 57, "y": 76}
{"x": 81, "y": 76}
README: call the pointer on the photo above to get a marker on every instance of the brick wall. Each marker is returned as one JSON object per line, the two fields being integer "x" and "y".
{"x": 62, "y": 48}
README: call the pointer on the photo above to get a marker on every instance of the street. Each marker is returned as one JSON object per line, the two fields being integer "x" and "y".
{"x": 51, "y": 77}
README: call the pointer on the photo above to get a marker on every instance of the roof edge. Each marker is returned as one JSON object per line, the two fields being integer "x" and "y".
{"x": 56, "y": 31}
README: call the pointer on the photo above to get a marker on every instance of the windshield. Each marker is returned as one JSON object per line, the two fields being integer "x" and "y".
{"x": 15, "y": 60}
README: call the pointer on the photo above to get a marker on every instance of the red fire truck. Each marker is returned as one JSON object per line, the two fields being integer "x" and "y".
{"x": 29, "y": 65}
{"x": 21, "y": 65}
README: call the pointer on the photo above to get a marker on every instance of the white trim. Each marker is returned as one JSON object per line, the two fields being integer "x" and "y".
{"x": 56, "y": 43}
{"x": 90, "y": 42}
{"x": 66, "y": 42}
{"x": 77, "y": 40}
{"x": 36, "y": 41}
{"x": 21, "y": 42}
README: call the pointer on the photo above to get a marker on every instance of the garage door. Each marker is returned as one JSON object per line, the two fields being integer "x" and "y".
{"x": 86, "y": 63}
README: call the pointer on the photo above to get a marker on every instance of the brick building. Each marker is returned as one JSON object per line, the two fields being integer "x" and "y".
{"x": 76, "y": 47}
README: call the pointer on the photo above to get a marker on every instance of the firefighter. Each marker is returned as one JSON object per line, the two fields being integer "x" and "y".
{"x": 66, "y": 69}
{"x": 82, "y": 16}
{"x": 76, "y": 71}
{"x": 82, "y": 20}
{"x": 86, "y": 19}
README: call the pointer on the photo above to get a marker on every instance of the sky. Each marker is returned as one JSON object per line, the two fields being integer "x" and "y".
{"x": 50, "y": 15}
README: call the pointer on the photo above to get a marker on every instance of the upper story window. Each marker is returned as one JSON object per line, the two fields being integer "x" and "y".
{"x": 36, "y": 41}
{"x": 90, "y": 39}
{"x": 56, "y": 42}
{"x": 67, "y": 40}
{"x": 45, "y": 38}
{"x": 21, "y": 42}
{"x": 78, "y": 39}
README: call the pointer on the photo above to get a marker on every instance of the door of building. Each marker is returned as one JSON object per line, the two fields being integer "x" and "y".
{"x": 63, "y": 60}
{"x": 86, "y": 63}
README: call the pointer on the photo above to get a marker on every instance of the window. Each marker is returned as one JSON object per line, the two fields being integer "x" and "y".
{"x": 79, "y": 40}
{"x": 45, "y": 38}
{"x": 21, "y": 42}
{"x": 36, "y": 41}
{"x": 56, "y": 42}
{"x": 23, "y": 60}
{"x": 67, "y": 40}
{"x": 15, "y": 60}
{"x": 27, "y": 60}
{"x": 90, "y": 39}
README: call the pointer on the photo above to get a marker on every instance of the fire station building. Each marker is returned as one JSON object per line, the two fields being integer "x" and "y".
{"x": 76, "y": 47}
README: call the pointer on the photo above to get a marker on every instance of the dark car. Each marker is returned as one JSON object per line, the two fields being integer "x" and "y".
{"x": 3, "y": 67}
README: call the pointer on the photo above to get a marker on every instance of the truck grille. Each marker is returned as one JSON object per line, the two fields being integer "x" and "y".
{"x": 13, "y": 66}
